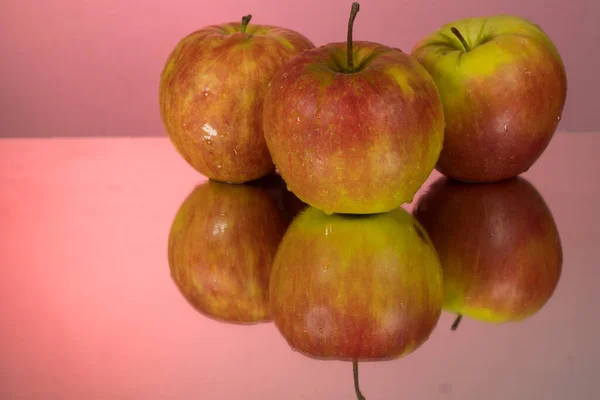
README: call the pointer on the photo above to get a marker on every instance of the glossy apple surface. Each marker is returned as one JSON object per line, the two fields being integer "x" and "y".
{"x": 503, "y": 98}
{"x": 356, "y": 287}
{"x": 221, "y": 247}
{"x": 211, "y": 95}
{"x": 354, "y": 142}
{"x": 498, "y": 245}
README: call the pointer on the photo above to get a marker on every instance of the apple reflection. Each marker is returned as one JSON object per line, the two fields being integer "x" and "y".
{"x": 498, "y": 245}
{"x": 356, "y": 288}
{"x": 222, "y": 243}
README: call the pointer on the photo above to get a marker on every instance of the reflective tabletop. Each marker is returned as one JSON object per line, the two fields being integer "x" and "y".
{"x": 126, "y": 275}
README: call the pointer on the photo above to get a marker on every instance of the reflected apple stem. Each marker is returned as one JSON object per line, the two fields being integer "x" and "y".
{"x": 456, "y": 322}
{"x": 245, "y": 21}
{"x": 353, "y": 12}
{"x": 359, "y": 395}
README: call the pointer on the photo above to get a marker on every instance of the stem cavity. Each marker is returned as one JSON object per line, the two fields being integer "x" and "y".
{"x": 245, "y": 21}
{"x": 353, "y": 11}
{"x": 359, "y": 395}
{"x": 461, "y": 38}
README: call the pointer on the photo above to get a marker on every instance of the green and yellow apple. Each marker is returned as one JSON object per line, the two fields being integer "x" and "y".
{"x": 498, "y": 245}
{"x": 211, "y": 95}
{"x": 221, "y": 248}
{"x": 356, "y": 287}
{"x": 503, "y": 85}
{"x": 353, "y": 127}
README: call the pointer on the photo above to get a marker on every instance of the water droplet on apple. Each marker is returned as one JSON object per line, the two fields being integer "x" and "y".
{"x": 558, "y": 118}
{"x": 219, "y": 166}
{"x": 505, "y": 128}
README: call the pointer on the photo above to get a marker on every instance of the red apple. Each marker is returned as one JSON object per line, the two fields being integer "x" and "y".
{"x": 503, "y": 85}
{"x": 356, "y": 288}
{"x": 211, "y": 95}
{"x": 498, "y": 245}
{"x": 221, "y": 247}
{"x": 353, "y": 127}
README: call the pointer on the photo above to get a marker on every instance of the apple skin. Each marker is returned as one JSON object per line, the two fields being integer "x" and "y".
{"x": 356, "y": 143}
{"x": 502, "y": 100}
{"x": 498, "y": 245}
{"x": 358, "y": 288}
{"x": 221, "y": 247}
{"x": 211, "y": 94}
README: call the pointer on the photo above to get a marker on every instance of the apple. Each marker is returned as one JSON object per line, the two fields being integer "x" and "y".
{"x": 211, "y": 95}
{"x": 353, "y": 127}
{"x": 355, "y": 287}
{"x": 503, "y": 85}
{"x": 498, "y": 245}
{"x": 221, "y": 247}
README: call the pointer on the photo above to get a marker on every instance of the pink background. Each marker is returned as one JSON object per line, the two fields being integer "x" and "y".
{"x": 91, "y": 68}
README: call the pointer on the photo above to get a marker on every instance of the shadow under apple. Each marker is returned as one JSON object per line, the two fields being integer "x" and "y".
{"x": 498, "y": 245}
{"x": 221, "y": 247}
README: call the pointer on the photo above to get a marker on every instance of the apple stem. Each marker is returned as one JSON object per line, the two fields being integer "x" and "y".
{"x": 359, "y": 395}
{"x": 456, "y": 322}
{"x": 461, "y": 38}
{"x": 353, "y": 12}
{"x": 245, "y": 21}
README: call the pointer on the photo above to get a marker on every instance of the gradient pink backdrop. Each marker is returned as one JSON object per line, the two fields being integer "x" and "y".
{"x": 91, "y": 68}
